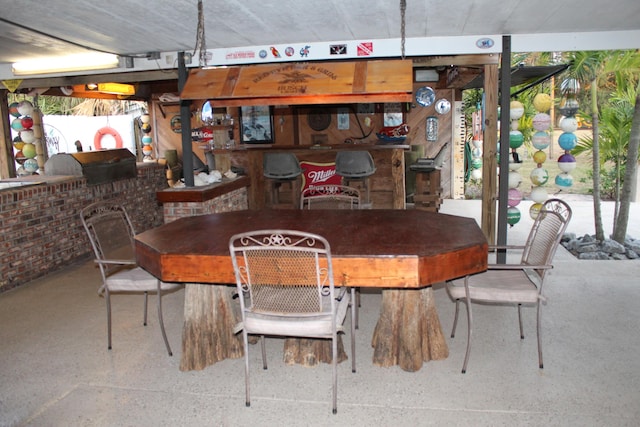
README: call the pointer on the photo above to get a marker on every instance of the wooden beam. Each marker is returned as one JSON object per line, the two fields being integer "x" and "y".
{"x": 490, "y": 151}
{"x": 460, "y": 60}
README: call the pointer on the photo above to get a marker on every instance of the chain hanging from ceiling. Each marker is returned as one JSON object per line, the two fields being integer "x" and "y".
{"x": 201, "y": 43}
{"x": 403, "y": 8}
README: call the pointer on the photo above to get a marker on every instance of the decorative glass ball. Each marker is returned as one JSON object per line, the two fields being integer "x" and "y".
{"x": 541, "y": 121}
{"x": 27, "y": 135}
{"x": 16, "y": 124}
{"x": 25, "y": 108}
{"x": 476, "y": 163}
{"x": 514, "y": 166}
{"x": 566, "y": 162}
{"x": 477, "y": 143}
{"x": 147, "y": 150}
{"x": 476, "y": 152}
{"x": 19, "y": 157}
{"x": 145, "y": 118}
{"x": 564, "y": 180}
{"x": 13, "y": 109}
{"x": 516, "y": 139}
{"x": 18, "y": 143}
{"x": 476, "y": 174}
{"x": 513, "y": 215}
{"x": 31, "y": 165}
{"x": 514, "y": 197}
{"x": 541, "y": 140}
{"x": 146, "y": 140}
{"x": 539, "y": 194}
{"x": 146, "y": 127}
{"x": 534, "y": 210}
{"x": 539, "y": 176}
{"x": 542, "y": 102}
{"x": 539, "y": 157}
{"x": 27, "y": 122}
{"x": 516, "y": 110}
{"x": 569, "y": 124}
{"x": 568, "y": 141}
{"x": 514, "y": 179}
{"x": 29, "y": 150}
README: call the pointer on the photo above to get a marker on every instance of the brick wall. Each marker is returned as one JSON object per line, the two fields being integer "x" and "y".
{"x": 41, "y": 229}
{"x": 233, "y": 201}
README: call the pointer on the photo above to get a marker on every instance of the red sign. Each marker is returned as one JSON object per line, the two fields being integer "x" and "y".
{"x": 316, "y": 174}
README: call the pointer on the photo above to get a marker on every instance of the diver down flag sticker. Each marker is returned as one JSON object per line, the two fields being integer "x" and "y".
{"x": 365, "y": 49}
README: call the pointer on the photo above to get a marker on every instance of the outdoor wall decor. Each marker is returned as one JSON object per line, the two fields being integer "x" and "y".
{"x": 568, "y": 139}
{"x": 147, "y": 139}
{"x": 541, "y": 140}
{"x": 256, "y": 125}
{"x": 516, "y": 139}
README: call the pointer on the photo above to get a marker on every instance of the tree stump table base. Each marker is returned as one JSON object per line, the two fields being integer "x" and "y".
{"x": 310, "y": 352}
{"x": 408, "y": 331}
{"x": 210, "y": 319}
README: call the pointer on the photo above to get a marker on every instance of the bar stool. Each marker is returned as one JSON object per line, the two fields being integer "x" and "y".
{"x": 356, "y": 166}
{"x": 280, "y": 168}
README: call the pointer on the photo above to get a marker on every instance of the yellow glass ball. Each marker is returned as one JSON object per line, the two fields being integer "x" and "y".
{"x": 542, "y": 102}
{"x": 539, "y": 157}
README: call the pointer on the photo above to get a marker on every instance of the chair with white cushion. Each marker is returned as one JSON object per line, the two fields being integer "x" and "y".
{"x": 516, "y": 284}
{"x": 111, "y": 234}
{"x": 285, "y": 278}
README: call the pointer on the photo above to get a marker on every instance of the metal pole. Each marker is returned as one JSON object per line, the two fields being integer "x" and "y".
{"x": 185, "y": 122}
{"x": 503, "y": 184}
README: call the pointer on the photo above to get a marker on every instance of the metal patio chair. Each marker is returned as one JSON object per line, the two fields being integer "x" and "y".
{"x": 111, "y": 235}
{"x": 286, "y": 278}
{"x": 516, "y": 284}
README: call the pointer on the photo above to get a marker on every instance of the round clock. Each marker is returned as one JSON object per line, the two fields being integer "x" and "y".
{"x": 443, "y": 106}
{"x": 320, "y": 119}
{"x": 425, "y": 96}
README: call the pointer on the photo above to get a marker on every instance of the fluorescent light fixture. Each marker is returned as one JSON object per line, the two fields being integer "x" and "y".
{"x": 62, "y": 64}
{"x": 117, "y": 88}
{"x": 427, "y": 76}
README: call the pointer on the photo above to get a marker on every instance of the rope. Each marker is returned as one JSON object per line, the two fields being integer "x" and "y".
{"x": 403, "y": 8}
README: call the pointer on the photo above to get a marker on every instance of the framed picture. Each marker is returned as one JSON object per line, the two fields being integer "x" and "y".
{"x": 257, "y": 125}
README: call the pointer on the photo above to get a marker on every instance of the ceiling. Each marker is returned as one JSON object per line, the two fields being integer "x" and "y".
{"x": 153, "y": 32}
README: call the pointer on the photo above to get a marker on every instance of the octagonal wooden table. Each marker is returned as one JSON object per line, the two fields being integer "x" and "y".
{"x": 401, "y": 251}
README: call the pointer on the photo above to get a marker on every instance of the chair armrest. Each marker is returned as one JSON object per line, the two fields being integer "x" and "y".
{"x": 494, "y": 247}
{"x": 519, "y": 267}
{"x": 116, "y": 261}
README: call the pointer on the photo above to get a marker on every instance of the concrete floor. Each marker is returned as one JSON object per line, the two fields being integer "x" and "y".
{"x": 55, "y": 369}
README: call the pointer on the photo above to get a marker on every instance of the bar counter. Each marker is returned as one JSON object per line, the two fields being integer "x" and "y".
{"x": 387, "y": 183}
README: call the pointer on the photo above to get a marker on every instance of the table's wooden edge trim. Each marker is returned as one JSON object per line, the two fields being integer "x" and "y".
{"x": 201, "y": 194}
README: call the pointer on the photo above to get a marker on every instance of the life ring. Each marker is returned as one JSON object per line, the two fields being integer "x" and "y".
{"x": 97, "y": 140}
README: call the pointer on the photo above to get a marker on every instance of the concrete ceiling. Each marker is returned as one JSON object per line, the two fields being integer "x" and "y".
{"x": 30, "y": 29}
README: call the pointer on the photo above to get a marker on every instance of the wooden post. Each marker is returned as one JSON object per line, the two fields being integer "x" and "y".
{"x": 209, "y": 321}
{"x": 408, "y": 332}
{"x": 489, "y": 157}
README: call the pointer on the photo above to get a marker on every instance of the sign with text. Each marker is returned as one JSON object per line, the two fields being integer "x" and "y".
{"x": 316, "y": 174}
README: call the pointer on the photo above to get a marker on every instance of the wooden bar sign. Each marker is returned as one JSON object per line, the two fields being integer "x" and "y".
{"x": 303, "y": 83}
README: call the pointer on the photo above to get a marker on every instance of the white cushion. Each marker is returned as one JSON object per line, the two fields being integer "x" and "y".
{"x": 509, "y": 286}
{"x": 136, "y": 280}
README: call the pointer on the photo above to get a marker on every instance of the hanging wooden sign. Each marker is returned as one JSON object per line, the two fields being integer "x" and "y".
{"x": 303, "y": 83}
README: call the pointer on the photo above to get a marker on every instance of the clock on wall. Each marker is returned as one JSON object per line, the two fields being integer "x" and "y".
{"x": 425, "y": 96}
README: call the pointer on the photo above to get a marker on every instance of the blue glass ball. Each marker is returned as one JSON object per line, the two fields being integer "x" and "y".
{"x": 568, "y": 140}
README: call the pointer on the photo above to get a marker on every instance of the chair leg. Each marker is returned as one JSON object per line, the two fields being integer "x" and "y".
{"x": 455, "y": 319}
{"x": 469, "y": 322}
{"x": 539, "y": 335}
{"x": 355, "y": 304}
{"x": 107, "y": 298}
{"x": 263, "y": 346}
{"x": 334, "y": 365}
{"x": 161, "y": 321}
{"x": 245, "y": 341}
{"x": 520, "y": 321}
{"x": 354, "y": 326}
{"x": 146, "y": 301}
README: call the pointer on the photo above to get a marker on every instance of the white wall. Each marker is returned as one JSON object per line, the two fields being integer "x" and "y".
{"x": 68, "y": 129}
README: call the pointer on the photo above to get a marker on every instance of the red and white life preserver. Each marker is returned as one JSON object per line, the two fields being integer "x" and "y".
{"x": 97, "y": 139}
